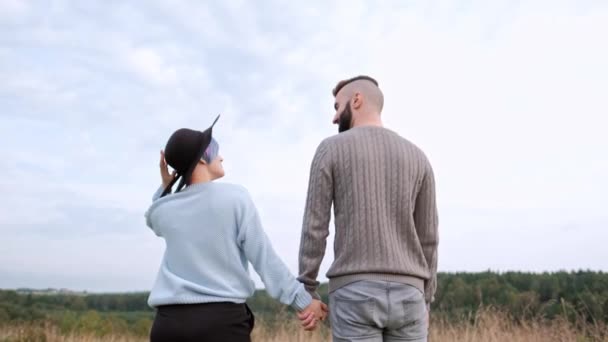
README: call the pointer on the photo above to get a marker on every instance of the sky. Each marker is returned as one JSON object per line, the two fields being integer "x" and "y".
{"x": 508, "y": 99}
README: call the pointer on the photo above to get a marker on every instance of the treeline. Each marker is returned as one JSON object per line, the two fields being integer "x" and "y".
{"x": 582, "y": 294}
{"x": 575, "y": 295}
{"x": 75, "y": 302}
{"x": 101, "y": 314}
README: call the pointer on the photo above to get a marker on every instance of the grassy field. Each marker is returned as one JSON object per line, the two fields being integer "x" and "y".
{"x": 487, "y": 326}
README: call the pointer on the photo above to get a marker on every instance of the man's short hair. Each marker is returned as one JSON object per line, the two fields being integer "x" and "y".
{"x": 343, "y": 83}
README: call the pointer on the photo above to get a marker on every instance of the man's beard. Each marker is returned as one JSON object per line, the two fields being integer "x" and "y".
{"x": 346, "y": 119}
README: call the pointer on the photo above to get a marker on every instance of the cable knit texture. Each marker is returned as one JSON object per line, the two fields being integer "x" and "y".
{"x": 382, "y": 189}
{"x": 212, "y": 231}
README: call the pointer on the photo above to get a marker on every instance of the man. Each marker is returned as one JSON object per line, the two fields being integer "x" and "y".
{"x": 382, "y": 187}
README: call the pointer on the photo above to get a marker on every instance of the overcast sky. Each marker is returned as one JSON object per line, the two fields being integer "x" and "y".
{"x": 507, "y": 98}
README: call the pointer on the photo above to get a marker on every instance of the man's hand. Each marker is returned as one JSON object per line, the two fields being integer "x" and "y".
{"x": 164, "y": 171}
{"x": 316, "y": 311}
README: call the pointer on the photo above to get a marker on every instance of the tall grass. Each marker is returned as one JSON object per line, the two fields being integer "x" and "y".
{"x": 487, "y": 325}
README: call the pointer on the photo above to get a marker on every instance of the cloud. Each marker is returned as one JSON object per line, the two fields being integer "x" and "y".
{"x": 10, "y": 8}
{"x": 150, "y": 66}
{"x": 505, "y": 98}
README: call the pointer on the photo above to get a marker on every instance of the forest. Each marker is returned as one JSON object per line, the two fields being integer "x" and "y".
{"x": 575, "y": 296}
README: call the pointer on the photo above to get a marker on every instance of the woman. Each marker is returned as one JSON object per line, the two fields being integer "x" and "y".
{"x": 212, "y": 230}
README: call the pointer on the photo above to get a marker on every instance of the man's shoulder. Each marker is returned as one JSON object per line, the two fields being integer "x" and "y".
{"x": 330, "y": 141}
{"x": 351, "y": 135}
{"x": 414, "y": 148}
{"x": 326, "y": 145}
{"x": 336, "y": 140}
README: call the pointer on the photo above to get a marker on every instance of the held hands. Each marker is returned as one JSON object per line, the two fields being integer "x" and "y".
{"x": 164, "y": 171}
{"x": 312, "y": 314}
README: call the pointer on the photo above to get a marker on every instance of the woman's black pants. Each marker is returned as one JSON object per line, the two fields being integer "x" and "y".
{"x": 208, "y": 322}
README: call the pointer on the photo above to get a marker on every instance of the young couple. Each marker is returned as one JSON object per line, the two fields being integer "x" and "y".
{"x": 383, "y": 277}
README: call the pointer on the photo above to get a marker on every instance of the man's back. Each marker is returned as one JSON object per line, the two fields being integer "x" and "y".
{"x": 382, "y": 188}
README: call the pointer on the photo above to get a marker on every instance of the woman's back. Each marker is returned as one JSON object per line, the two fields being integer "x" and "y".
{"x": 203, "y": 227}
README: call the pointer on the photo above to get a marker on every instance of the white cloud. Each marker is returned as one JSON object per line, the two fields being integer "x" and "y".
{"x": 11, "y": 8}
{"x": 507, "y": 100}
{"x": 150, "y": 65}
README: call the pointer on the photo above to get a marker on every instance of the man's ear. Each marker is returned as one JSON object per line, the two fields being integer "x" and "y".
{"x": 357, "y": 101}
{"x": 202, "y": 161}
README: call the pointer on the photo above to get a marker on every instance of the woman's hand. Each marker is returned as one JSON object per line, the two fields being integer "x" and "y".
{"x": 315, "y": 312}
{"x": 164, "y": 171}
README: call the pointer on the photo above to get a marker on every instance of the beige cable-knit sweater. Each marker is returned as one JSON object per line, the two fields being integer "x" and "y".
{"x": 382, "y": 188}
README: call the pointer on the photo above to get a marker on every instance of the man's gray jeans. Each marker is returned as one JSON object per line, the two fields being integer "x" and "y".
{"x": 378, "y": 311}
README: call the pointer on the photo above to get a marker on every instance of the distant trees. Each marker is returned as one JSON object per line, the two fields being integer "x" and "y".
{"x": 573, "y": 295}
{"x": 525, "y": 294}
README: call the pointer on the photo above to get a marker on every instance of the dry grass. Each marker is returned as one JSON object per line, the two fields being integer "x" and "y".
{"x": 494, "y": 326}
{"x": 49, "y": 333}
{"x": 487, "y": 326}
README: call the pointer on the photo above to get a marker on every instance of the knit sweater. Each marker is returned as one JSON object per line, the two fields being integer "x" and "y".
{"x": 382, "y": 189}
{"x": 212, "y": 231}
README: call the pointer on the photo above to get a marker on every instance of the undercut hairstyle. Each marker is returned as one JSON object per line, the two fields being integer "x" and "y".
{"x": 343, "y": 83}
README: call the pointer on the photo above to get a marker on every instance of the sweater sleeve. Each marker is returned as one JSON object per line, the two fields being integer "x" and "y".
{"x": 426, "y": 221}
{"x": 158, "y": 192}
{"x": 279, "y": 281}
{"x": 155, "y": 197}
{"x": 315, "y": 226}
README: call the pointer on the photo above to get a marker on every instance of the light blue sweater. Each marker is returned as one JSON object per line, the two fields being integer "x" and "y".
{"x": 212, "y": 231}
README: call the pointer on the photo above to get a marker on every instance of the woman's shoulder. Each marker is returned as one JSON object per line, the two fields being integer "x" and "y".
{"x": 234, "y": 197}
{"x": 231, "y": 188}
{"x": 232, "y": 192}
